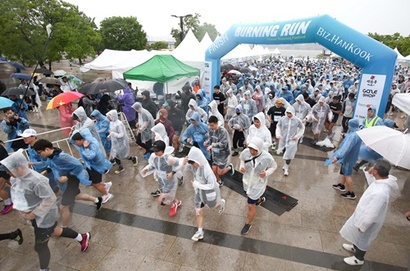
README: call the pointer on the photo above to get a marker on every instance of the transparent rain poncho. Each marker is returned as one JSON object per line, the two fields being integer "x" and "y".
{"x": 303, "y": 109}
{"x": 213, "y": 111}
{"x": 120, "y": 146}
{"x": 219, "y": 139}
{"x": 253, "y": 184}
{"x": 145, "y": 122}
{"x": 202, "y": 114}
{"x": 262, "y": 132}
{"x": 205, "y": 185}
{"x": 319, "y": 115}
{"x": 30, "y": 191}
{"x": 160, "y": 133}
{"x": 103, "y": 126}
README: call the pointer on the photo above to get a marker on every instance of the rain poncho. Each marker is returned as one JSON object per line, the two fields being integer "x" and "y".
{"x": 198, "y": 133}
{"x": 92, "y": 155}
{"x": 202, "y": 101}
{"x": 303, "y": 109}
{"x": 66, "y": 120}
{"x": 319, "y": 113}
{"x": 145, "y": 122}
{"x": 262, "y": 132}
{"x": 213, "y": 111}
{"x": 169, "y": 126}
{"x": 202, "y": 114}
{"x": 205, "y": 185}
{"x": 348, "y": 151}
{"x": 127, "y": 100}
{"x": 219, "y": 140}
{"x": 160, "y": 133}
{"x": 240, "y": 121}
{"x": 253, "y": 184}
{"x": 30, "y": 190}
{"x": 232, "y": 102}
{"x": 20, "y": 107}
{"x": 248, "y": 105}
{"x": 103, "y": 126}
{"x": 257, "y": 96}
{"x": 162, "y": 165}
{"x": 85, "y": 122}
{"x": 14, "y": 130}
{"x": 370, "y": 212}
{"x": 374, "y": 121}
{"x": 120, "y": 146}
{"x": 289, "y": 130}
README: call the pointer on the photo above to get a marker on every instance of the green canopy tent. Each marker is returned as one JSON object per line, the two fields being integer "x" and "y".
{"x": 161, "y": 68}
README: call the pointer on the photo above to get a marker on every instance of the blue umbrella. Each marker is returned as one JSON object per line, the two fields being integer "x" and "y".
{"x": 5, "y": 102}
{"x": 21, "y": 76}
{"x": 17, "y": 65}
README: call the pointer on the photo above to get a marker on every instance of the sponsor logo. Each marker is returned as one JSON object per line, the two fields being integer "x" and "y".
{"x": 370, "y": 93}
{"x": 372, "y": 81}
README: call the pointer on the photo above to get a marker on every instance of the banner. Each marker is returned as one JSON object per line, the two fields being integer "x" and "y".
{"x": 206, "y": 81}
{"x": 370, "y": 94}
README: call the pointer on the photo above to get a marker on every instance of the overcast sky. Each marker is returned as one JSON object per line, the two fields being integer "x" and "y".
{"x": 381, "y": 16}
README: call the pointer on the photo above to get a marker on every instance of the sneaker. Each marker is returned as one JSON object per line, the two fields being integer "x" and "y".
{"x": 235, "y": 153}
{"x": 273, "y": 146}
{"x": 173, "y": 209}
{"x": 231, "y": 169}
{"x": 107, "y": 186}
{"x": 349, "y": 247}
{"x": 99, "y": 203}
{"x": 349, "y": 195}
{"x": 84, "y": 242}
{"x": 246, "y": 229}
{"x": 222, "y": 206}
{"x": 197, "y": 236}
{"x": 7, "y": 209}
{"x": 134, "y": 161}
{"x": 339, "y": 186}
{"x": 286, "y": 172}
{"x": 106, "y": 197}
{"x": 147, "y": 156}
{"x": 119, "y": 170}
{"x": 156, "y": 193}
{"x": 262, "y": 200}
{"x": 353, "y": 261}
{"x": 19, "y": 237}
{"x": 221, "y": 183}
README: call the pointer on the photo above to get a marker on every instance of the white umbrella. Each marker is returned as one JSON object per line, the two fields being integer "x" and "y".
{"x": 235, "y": 72}
{"x": 402, "y": 101}
{"x": 393, "y": 145}
{"x": 60, "y": 73}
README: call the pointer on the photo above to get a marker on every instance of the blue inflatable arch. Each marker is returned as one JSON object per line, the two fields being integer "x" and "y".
{"x": 376, "y": 60}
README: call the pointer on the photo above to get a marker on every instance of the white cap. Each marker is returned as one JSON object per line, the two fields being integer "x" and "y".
{"x": 28, "y": 133}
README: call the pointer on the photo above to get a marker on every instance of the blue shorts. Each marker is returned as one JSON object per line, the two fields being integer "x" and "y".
{"x": 346, "y": 169}
{"x": 252, "y": 201}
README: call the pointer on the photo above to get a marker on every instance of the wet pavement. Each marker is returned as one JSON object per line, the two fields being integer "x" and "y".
{"x": 132, "y": 232}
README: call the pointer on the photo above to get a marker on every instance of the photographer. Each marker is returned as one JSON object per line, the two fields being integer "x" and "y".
{"x": 13, "y": 126}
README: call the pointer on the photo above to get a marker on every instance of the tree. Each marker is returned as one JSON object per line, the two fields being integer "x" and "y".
{"x": 159, "y": 45}
{"x": 199, "y": 31}
{"x": 394, "y": 41}
{"x": 122, "y": 33}
{"x": 24, "y": 22}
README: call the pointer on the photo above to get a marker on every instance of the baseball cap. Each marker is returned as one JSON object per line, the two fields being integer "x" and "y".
{"x": 158, "y": 145}
{"x": 28, "y": 133}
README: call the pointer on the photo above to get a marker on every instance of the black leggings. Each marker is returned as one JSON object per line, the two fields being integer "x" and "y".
{"x": 10, "y": 235}
{"x": 359, "y": 254}
{"x": 238, "y": 139}
{"x": 146, "y": 146}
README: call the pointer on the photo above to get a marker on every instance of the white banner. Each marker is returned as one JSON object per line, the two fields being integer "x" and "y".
{"x": 370, "y": 94}
{"x": 206, "y": 81}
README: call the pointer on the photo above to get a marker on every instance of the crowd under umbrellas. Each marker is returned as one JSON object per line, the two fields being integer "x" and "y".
{"x": 267, "y": 80}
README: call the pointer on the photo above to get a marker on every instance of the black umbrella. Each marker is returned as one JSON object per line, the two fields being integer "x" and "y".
{"x": 245, "y": 70}
{"x": 227, "y": 67}
{"x": 18, "y": 91}
{"x": 109, "y": 85}
{"x": 43, "y": 71}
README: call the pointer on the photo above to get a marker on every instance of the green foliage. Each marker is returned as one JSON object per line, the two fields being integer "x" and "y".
{"x": 122, "y": 33}
{"x": 394, "y": 41}
{"x": 24, "y": 22}
{"x": 199, "y": 30}
{"x": 159, "y": 45}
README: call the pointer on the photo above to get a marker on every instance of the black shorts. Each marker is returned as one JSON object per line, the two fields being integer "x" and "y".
{"x": 42, "y": 235}
{"x": 72, "y": 190}
{"x": 252, "y": 201}
{"x": 95, "y": 176}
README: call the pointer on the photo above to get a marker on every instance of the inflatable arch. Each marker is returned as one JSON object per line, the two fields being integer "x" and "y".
{"x": 376, "y": 60}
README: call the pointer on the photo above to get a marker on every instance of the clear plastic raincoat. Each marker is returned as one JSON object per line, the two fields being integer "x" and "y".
{"x": 232, "y": 102}
{"x": 262, "y": 132}
{"x": 213, "y": 111}
{"x": 120, "y": 143}
{"x": 202, "y": 114}
{"x": 289, "y": 130}
{"x": 248, "y": 105}
{"x": 370, "y": 212}
{"x": 160, "y": 133}
{"x": 145, "y": 122}
{"x": 103, "y": 126}
{"x": 253, "y": 184}
{"x": 30, "y": 190}
{"x": 303, "y": 109}
{"x": 198, "y": 133}
{"x": 319, "y": 113}
{"x": 92, "y": 155}
{"x": 219, "y": 140}
{"x": 240, "y": 121}
{"x": 205, "y": 185}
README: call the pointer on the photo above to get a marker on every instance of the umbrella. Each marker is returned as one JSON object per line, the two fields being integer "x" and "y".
{"x": 235, "y": 72}
{"x": 50, "y": 81}
{"x": 17, "y": 65}
{"x": 245, "y": 70}
{"x": 5, "y": 102}
{"x": 226, "y": 67}
{"x": 60, "y": 72}
{"x": 18, "y": 91}
{"x": 393, "y": 145}
{"x": 22, "y": 76}
{"x": 43, "y": 71}
{"x": 102, "y": 86}
{"x": 63, "y": 98}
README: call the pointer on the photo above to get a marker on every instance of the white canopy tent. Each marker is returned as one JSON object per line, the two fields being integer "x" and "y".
{"x": 400, "y": 57}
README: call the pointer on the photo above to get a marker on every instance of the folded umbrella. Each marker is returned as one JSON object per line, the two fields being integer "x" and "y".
{"x": 63, "y": 98}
